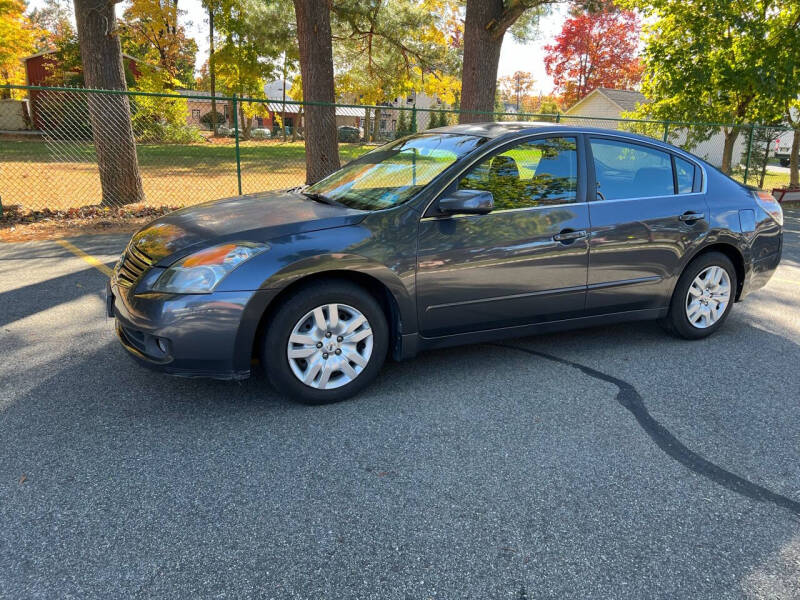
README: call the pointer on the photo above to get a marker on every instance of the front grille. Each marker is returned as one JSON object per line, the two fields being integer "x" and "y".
{"x": 132, "y": 266}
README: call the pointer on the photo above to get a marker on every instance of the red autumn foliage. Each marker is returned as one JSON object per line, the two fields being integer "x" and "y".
{"x": 594, "y": 50}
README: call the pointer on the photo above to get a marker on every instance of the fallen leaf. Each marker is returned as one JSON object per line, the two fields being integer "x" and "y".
{"x": 23, "y": 479}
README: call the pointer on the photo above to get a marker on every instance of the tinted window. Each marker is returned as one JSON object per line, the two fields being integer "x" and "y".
{"x": 535, "y": 173}
{"x": 625, "y": 170}
{"x": 684, "y": 172}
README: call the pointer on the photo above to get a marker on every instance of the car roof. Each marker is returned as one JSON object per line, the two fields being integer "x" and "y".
{"x": 493, "y": 129}
{"x": 496, "y": 129}
{"x": 511, "y": 129}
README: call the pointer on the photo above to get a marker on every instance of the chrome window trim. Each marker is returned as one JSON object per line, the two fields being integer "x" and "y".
{"x": 649, "y": 197}
{"x": 499, "y": 212}
{"x": 655, "y": 146}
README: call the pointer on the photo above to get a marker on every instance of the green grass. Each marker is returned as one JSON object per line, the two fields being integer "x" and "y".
{"x": 180, "y": 155}
{"x": 35, "y": 175}
{"x": 771, "y": 180}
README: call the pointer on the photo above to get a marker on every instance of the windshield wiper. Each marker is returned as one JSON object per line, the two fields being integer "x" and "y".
{"x": 321, "y": 198}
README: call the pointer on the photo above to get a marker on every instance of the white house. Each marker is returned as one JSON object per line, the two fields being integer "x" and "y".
{"x": 606, "y": 103}
{"x": 610, "y": 104}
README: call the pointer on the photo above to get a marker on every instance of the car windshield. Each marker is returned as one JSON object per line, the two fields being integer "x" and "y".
{"x": 393, "y": 173}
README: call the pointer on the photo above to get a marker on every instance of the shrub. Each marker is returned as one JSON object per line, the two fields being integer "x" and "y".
{"x": 207, "y": 119}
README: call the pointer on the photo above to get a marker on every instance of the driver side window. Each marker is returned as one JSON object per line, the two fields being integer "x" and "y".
{"x": 540, "y": 172}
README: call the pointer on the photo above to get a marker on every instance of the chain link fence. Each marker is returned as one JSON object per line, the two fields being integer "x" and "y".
{"x": 259, "y": 144}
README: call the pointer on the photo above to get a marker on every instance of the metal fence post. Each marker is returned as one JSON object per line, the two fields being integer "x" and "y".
{"x": 666, "y": 131}
{"x": 414, "y": 118}
{"x": 749, "y": 152}
{"x": 236, "y": 137}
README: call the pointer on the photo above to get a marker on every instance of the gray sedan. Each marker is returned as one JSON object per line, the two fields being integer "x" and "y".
{"x": 457, "y": 235}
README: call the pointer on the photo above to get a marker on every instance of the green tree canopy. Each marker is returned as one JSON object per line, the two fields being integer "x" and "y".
{"x": 385, "y": 49}
{"x": 714, "y": 61}
{"x": 17, "y": 38}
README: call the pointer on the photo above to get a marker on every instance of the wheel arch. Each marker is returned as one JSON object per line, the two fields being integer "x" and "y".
{"x": 373, "y": 285}
{"x": 733, "y": 253}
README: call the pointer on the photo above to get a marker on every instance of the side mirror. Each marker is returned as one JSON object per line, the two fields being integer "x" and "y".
{"x": 467, "y": 202}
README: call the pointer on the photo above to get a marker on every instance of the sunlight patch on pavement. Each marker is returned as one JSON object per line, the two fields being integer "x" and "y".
{"x": 40, "y": 345}
{"x": 778, "y": 577}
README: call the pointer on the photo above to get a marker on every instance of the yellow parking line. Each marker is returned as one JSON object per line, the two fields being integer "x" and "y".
{"x": 86, "y": 257}
{"x": 782, "y": 280}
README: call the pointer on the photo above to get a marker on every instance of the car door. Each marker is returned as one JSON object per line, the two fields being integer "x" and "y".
{"x": 649, "y": 211}
{"x": 524, "y": 262}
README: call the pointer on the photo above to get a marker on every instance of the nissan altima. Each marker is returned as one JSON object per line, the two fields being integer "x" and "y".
{"x": 461, "y": 234}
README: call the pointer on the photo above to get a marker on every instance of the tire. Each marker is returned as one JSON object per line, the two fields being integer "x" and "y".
{"x": 352, "y": 359}
{"x": 708, "y": 314}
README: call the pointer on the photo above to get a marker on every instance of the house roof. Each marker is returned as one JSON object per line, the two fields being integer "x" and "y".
{"x": 626, "y": 100}
{"x": 341, "y": 111}
{"x": 192, "y": 93}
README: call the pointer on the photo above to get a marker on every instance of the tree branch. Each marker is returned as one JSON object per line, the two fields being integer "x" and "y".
{"x": 498, "y": 27}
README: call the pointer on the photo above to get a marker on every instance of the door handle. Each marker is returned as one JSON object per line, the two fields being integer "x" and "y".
{"x": 692, "y": 216}
{"x": 569, "y": 236}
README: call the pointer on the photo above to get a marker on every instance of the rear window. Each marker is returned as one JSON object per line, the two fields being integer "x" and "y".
{"x": 625, "y": 170}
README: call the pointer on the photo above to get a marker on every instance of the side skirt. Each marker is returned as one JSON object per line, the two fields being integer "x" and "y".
{"x": 414, "y": 343}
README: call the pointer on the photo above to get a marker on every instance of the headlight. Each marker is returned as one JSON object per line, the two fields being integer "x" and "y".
{"x": 199, "y": 273}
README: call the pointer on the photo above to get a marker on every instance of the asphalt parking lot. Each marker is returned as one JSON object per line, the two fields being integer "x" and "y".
{"x": 615, "y": 462}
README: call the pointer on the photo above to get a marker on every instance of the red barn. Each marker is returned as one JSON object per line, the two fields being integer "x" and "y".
{"x": 39, "y": 69}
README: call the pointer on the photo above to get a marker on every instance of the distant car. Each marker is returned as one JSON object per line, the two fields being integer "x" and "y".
{"x": 349, "y": 134}
{"x": 260, "y": 134}
{"x": 458, "y": 235}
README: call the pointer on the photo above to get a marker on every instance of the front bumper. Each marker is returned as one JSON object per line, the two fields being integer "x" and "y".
{"x": 197, "y": 335}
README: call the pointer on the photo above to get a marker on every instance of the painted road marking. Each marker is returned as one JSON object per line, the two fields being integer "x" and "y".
{"x": 97, "y": 264}
{"x": 782, "y": 280}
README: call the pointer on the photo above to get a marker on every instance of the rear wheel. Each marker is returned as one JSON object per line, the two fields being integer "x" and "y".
{"x": 703, "y": 297}
{"x": 326, "y": 342}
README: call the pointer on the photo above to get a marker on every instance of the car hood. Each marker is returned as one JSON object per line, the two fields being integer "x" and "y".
{"x": 254, "y": 217}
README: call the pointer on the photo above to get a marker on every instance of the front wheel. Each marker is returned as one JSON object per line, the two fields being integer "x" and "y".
{"x": 703, "y": 297}
{"x": 326, "y": 342}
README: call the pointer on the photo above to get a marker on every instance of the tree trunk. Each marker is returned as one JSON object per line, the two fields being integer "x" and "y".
{"x": 316, "y": 70}
{"x": 727, "y": 149}
{"x": 794, "y": 161}
{"x": 296, "y": 128}
{"x": 764, "y": 161}
{"x": 212, "y": 71}
{"x": 110, "y": 115}
{"x": 367, "y": 128}
{"x": 481, "y": 56}
{"x": 245, "y": 124}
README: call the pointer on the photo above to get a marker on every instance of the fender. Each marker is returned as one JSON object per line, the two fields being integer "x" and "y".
{"x": 400, "y": 286}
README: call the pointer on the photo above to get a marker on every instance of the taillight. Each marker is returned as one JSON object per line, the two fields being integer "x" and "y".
{"x": 770, "y": 205}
